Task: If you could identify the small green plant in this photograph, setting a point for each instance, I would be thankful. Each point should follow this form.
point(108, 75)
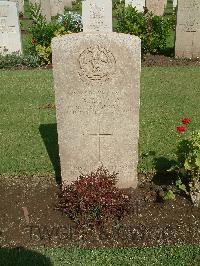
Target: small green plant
point(42, 32)
point(15, 60)
point(169, 195)
point(94, 198)
point(152, 30)
point(188, 162)
point(71, 21)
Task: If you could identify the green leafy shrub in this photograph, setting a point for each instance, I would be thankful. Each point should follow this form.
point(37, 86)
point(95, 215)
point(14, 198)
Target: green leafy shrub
point(18, 60)
point(42, 32)
point(94, 198)
point(188, 162)
point(152, 30)
point(71, 21)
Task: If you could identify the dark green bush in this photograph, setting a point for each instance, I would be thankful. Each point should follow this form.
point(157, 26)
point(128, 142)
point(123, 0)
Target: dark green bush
point(152, 30)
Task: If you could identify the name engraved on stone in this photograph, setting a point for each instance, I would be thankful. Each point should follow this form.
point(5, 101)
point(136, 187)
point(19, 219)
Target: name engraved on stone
point(3, 11)
point(97, 17)
point(97, 64)
point(4, 28)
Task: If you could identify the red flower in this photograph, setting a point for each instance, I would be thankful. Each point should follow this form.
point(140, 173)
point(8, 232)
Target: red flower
point(181, 129)
point(186, 121)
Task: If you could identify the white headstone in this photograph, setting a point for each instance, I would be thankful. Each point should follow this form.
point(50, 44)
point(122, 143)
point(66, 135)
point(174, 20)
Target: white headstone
point(46, 9)
point(157, 7)
point(97, 102)
point(97, 15)
point(188, 29)
point(57, 7)
point(10, 36)
point(138, 4)
point(68, 3)
point(175, 3)
point(20, 5)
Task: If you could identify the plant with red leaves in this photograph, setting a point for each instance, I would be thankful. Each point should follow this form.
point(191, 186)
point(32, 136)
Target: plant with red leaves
point(94, 198)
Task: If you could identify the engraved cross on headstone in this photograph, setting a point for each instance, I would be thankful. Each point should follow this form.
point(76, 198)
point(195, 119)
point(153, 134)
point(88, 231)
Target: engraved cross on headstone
point(100, 135)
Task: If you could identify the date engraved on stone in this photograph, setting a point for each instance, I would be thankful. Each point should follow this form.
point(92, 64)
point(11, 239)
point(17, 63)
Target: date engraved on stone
point(97, 64)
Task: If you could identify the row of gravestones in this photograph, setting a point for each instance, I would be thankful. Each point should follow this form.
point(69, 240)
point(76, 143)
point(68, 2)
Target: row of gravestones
point(187, 30)
point(50, 8)
point(157, 7)
point(98, 89)
point(10, 34)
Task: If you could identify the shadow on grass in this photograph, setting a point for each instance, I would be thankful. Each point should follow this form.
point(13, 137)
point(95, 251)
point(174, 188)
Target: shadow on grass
point(50, 137)
point(161, 165)
point(163, 176)
point(22, 257)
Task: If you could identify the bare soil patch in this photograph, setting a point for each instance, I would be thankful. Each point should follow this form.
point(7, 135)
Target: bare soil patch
point(28, 217)
point(165, 61)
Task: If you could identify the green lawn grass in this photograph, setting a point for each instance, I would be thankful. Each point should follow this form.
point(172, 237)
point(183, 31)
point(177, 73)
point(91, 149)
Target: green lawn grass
point(167, 95)
point(163, 256)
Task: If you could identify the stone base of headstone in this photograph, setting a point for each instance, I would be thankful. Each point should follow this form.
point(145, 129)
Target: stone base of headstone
point(97, 85)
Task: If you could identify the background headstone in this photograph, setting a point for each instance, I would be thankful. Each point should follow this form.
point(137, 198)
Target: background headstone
point(175, 3)
point(68, 3)
point(138, 4)
point(97, 15)
point(57, 7)
point(157, 7)
point(46, 9)
point(10, 36)
point(188, 29)
point(20, 5)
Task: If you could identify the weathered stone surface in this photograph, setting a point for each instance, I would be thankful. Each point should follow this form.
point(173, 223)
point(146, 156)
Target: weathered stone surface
point(157, 7)
point(10, 37)
point(175, 3)
point(138, 4)
point(68, 3)
point(97, 85)
point(97, 15)
point(57, 7)
point(188, 29)
point(46, 9)
point(20, 5)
